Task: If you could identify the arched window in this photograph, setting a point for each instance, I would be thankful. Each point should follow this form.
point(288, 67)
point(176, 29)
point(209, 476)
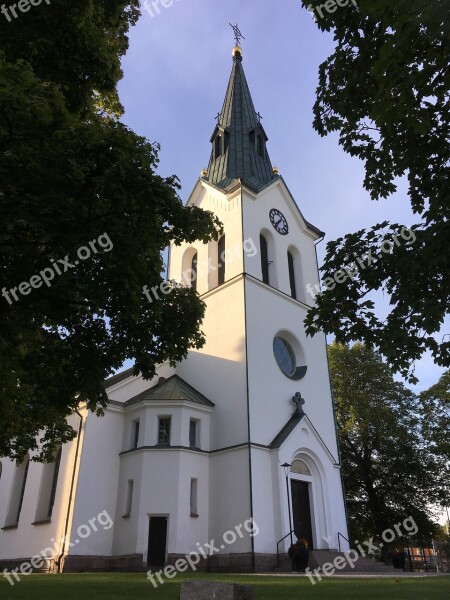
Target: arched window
point(56, 466)
point(221, 260)
point(218, 146)
point(300, 467)
point(194, 264)
point(189, 268)
point(295, 274)
point(18, 492)
point(264, 258)
point(48, 487)
point(291, 266)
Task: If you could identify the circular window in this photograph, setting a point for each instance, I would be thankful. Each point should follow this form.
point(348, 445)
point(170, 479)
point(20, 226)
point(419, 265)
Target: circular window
point(285, 356)
point(289, 355)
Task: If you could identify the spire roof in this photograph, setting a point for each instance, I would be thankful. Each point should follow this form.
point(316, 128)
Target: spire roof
point(239, 140)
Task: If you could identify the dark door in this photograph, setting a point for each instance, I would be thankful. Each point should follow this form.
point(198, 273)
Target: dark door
point(157, 538)
point(301, 511)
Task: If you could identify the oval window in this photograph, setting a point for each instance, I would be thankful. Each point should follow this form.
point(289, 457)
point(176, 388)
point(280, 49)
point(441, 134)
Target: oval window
point(285, 356)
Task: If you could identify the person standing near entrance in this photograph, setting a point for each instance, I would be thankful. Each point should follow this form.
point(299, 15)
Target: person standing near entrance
point(300, 553)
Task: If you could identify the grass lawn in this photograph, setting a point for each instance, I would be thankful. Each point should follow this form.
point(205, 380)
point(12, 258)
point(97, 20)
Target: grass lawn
point(136, 587)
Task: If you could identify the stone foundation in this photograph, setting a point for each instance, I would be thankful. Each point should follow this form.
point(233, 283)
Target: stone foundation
point(103, 564)
point(48, 566)
point(220, 563)
point(230, 563)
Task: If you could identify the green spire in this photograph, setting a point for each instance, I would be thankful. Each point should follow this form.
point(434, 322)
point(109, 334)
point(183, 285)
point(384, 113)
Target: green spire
point(239, 140)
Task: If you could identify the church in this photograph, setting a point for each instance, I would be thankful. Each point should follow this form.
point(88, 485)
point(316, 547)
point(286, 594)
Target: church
point(242, 431)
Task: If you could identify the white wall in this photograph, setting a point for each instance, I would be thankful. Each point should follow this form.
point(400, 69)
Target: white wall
point(270, 390)
point(28, 539)
point(132, 386)
point(97, 487)
point(256, 209)
point(327, 502)
point(230, 496)
point(228, 210)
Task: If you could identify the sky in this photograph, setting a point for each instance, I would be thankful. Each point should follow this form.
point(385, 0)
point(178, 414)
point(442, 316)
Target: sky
point(176, 73)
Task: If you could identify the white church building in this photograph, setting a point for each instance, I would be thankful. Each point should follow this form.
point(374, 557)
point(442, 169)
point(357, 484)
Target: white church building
point(196, 452)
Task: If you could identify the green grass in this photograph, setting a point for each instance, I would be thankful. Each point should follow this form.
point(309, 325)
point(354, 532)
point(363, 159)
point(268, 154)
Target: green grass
point(136, 587)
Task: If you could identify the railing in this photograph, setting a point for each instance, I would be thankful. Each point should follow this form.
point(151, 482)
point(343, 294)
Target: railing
point(339, 540)
point(278, 549)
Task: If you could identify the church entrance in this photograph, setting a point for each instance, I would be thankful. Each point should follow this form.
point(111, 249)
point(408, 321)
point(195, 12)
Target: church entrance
point(301, 511)
point(157, 541)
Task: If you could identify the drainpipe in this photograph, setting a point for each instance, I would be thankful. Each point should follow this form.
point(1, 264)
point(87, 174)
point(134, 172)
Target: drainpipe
point(72, 485)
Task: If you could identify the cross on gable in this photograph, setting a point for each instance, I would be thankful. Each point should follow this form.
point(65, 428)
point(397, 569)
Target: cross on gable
point(299, 402)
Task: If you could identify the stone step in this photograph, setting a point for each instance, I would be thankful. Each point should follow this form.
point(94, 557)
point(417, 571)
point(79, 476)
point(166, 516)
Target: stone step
point(317, 558)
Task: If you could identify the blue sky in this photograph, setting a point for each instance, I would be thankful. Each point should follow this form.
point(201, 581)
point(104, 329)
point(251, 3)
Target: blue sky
point(175, 77)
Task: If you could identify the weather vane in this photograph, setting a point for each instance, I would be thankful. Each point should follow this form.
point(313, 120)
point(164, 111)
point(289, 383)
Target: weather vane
point(237, 34)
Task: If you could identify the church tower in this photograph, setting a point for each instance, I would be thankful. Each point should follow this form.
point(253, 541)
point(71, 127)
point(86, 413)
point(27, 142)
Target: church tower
point(230, 454)
point(268, 380)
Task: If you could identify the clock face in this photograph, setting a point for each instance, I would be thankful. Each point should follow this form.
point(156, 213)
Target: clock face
point(279, 222)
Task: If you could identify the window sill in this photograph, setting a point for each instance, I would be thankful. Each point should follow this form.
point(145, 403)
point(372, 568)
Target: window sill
point(42, 522)
point(194, 515)
point(13, 526)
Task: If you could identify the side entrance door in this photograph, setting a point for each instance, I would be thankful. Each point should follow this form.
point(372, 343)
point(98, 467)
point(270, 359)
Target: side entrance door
point(157, 542)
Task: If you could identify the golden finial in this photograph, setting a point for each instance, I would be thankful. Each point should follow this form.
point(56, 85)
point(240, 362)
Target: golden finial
point(275, 170)
point(204, 173)
point(237, 51)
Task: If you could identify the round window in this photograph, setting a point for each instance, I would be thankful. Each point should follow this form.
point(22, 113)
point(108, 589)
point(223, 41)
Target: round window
point(285, 356)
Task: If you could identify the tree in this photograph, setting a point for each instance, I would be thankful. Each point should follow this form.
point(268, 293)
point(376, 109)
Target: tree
point(385, 91)
point(389, 473)
point(72, 175)
point(435, 410)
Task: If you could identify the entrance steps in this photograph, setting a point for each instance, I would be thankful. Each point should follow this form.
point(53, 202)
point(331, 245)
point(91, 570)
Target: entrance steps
point(317, 558)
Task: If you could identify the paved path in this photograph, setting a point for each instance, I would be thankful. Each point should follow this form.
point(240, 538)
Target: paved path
point(394, 575)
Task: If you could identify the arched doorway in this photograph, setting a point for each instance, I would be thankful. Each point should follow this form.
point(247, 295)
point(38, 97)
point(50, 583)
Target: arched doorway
point(301, 494)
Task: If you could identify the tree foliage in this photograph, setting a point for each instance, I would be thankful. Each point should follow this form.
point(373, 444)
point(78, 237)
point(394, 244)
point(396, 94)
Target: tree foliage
point(435, 410)
point(385, 90)
point(389, 472)
point(70, 172)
